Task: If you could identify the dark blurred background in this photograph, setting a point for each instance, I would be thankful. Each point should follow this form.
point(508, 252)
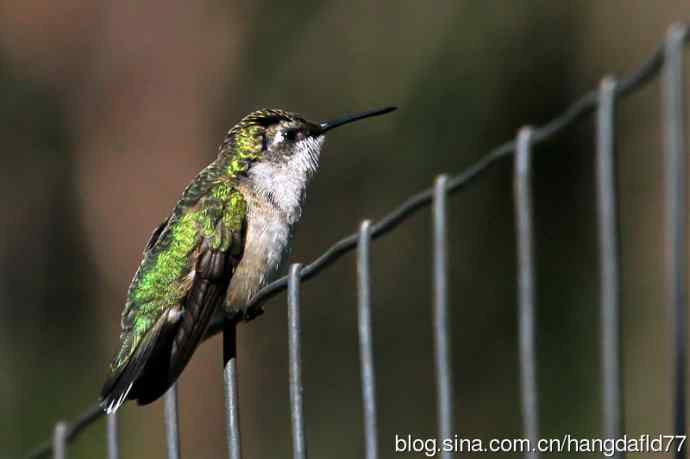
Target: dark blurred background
point(110, 108)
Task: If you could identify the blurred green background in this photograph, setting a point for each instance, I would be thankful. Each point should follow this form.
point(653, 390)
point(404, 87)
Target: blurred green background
point(110, 108)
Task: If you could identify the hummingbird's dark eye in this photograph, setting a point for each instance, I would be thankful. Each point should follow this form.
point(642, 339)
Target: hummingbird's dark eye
point(264, 142)
point(290, 135)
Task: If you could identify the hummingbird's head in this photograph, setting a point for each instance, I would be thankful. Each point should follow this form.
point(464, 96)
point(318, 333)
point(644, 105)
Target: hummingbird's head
point(270, 140)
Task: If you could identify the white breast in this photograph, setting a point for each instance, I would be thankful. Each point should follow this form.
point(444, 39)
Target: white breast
point(274, 195)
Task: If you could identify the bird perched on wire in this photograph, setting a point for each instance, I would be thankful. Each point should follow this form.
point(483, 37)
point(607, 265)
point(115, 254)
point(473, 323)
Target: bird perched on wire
point(225, 239)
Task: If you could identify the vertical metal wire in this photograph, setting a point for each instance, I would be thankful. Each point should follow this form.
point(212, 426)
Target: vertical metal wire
point(526, 289)
point(366, 352)
point(113, 436)
point(60, 440)
point(299, 445)
point(444, 385)
point(172, 423)
point(676, 219)
point(230, 385)
point(609, 263)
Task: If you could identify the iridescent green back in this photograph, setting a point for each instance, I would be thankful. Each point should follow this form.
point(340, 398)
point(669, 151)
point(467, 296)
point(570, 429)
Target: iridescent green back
point(210, 209)
point(163, 278)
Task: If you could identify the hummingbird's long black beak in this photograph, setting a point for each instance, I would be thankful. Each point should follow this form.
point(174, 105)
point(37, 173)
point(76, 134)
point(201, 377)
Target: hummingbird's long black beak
point(328, 125)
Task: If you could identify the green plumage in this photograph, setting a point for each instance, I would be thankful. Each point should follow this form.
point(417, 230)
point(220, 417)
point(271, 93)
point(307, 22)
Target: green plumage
point(186, 268)
point(162, 279)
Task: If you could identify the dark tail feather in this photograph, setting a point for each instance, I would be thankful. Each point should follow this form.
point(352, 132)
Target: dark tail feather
point(156, 378)
point(160, 360)
point(174, 350)
point(119, 384)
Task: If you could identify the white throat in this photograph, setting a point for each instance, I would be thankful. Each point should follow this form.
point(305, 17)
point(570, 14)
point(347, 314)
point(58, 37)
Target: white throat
point(283, 184)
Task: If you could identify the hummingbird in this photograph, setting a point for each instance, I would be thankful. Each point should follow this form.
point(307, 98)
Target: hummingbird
point(225, 239)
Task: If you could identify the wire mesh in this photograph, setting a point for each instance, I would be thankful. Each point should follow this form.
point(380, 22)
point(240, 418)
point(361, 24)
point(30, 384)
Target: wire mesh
point(172, 423)
point(366, 347)
point(113, 436)
point(230, 384)
point(60, 440)
point(299, 444)
point(526, 288)
point(607, 216)
point(442, 360)
point(676, 220)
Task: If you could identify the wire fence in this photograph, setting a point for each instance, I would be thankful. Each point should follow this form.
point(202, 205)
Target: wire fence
point(667, 58)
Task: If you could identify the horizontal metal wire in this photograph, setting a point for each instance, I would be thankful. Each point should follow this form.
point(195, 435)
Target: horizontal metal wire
point(73, 430)
point(575, 112)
